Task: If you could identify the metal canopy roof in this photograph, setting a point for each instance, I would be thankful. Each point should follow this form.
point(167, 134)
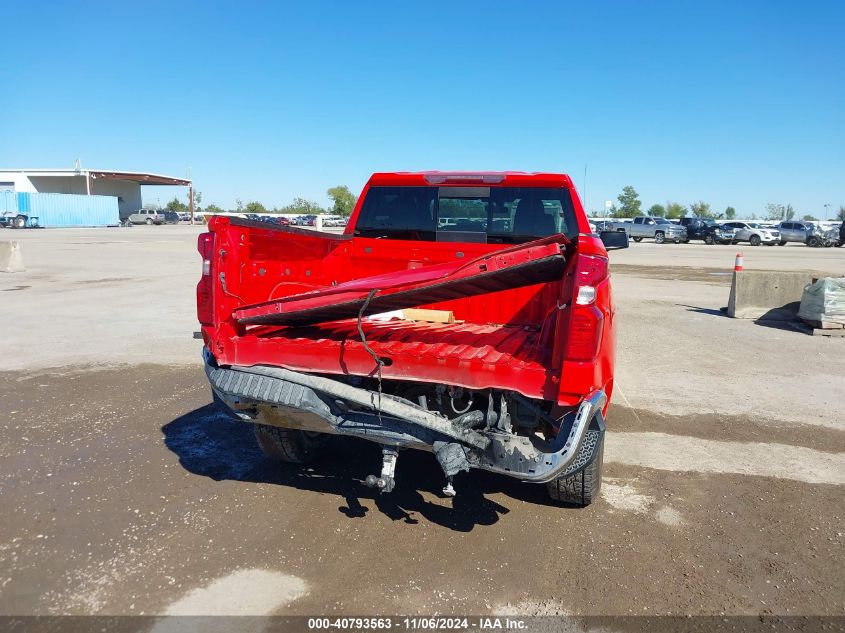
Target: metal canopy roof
point(144, 179)
point(100, 174)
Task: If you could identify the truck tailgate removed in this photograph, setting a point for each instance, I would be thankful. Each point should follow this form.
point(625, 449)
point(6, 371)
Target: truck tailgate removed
point(508, 368)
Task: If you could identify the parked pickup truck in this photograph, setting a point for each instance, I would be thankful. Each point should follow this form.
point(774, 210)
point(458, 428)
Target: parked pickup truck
point(660, 229)
point(487, 340)
point(708, 231)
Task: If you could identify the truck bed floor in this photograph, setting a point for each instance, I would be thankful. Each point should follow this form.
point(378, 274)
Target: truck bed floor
point(466, 354)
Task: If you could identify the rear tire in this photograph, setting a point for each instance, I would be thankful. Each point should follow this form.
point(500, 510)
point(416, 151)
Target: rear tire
point(638, 239)
point(755, 240)
point(19, 222)
point(288, 445)
point(583, 487)
point(659, 237)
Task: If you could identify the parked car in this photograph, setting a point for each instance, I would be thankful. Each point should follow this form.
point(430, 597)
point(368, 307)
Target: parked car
point(532, 410)
point(806, 233)
point(334, 220)
point(660, 229)
point(170, 217)
point(793, 232)
point(719, 234)
point(841, 234)
point(824, 237)
point(707, 230)
point(145, 216)
point(754, 233)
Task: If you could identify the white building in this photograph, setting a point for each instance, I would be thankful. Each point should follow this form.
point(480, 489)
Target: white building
point(124, 185)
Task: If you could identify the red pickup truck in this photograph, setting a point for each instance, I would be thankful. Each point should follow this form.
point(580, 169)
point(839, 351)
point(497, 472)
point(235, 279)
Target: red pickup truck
point(466, 314)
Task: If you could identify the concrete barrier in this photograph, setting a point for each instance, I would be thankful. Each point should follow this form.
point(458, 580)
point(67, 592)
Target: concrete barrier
point(766, 294)
point(11, 257)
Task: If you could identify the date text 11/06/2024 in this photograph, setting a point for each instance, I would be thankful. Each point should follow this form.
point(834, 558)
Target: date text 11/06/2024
point(418, 623)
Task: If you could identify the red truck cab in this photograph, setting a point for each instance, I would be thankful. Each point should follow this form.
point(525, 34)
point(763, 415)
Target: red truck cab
point(468, 314)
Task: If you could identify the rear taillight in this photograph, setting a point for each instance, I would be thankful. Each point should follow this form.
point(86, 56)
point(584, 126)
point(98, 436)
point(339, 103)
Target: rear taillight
point(205, 304)
point(586, 319)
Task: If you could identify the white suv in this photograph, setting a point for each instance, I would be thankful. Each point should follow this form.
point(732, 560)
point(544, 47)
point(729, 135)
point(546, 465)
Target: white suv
point(755, 234)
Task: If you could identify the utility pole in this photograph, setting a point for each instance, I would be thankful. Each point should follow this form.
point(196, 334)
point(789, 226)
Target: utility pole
point(826, 207)
point(191, 194)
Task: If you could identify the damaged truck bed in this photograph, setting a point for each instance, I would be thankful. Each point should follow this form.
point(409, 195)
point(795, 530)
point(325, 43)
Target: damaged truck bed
point(308, 334)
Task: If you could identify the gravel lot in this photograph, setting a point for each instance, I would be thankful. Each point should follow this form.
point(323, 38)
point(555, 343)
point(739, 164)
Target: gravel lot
point(124, 493)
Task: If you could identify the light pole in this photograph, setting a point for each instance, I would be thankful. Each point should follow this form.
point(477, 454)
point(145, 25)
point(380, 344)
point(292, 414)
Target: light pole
point(825, 211)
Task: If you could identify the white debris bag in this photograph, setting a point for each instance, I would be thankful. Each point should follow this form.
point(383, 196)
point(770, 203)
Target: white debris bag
point(824, 300)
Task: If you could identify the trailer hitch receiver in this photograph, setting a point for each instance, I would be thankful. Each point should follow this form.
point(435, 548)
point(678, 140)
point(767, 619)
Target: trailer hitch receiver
point(386, 481)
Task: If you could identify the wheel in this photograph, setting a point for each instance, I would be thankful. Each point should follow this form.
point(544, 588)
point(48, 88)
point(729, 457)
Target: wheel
point(814, 241)
point(686, 241)
point(709, 239)
point(149, 220)
point(733, 242)
point(288, 445)
point(583, 487)
point(755, 240)
point(782, 243)
point(638, 239)
point(19, 222)
point(677, 240)
point(659, 237)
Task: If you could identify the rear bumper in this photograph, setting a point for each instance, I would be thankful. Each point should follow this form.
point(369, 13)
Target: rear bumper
point(283, 398)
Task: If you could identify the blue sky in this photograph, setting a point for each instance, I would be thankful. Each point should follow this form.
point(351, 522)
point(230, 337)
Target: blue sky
point(734, 103)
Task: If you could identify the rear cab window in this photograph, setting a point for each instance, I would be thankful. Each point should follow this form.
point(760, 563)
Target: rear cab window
point(492, 215)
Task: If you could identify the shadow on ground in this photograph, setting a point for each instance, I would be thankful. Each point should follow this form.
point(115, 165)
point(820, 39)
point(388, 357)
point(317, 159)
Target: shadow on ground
point(213, 445)
point(776, 318)
point(700, 310)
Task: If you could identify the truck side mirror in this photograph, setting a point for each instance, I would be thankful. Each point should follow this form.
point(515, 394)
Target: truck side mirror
point(614, 239)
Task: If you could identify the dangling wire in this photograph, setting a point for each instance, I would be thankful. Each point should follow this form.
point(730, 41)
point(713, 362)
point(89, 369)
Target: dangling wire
point(369, 349)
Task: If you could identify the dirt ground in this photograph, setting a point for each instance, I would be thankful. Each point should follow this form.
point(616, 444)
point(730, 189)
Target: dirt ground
point(124, 492)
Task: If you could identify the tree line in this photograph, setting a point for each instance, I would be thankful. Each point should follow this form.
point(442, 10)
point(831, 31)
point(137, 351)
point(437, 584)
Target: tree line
point(630, 206)
point(343, 202)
